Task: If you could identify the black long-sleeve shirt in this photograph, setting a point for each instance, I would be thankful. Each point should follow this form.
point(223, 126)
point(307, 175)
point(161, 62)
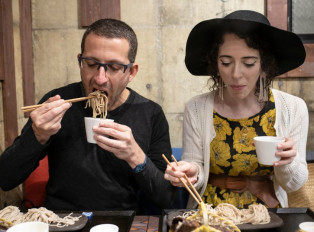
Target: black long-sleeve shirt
point(83, 175)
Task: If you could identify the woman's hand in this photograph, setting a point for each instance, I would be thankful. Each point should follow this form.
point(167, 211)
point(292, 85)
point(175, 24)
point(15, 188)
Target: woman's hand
point(287, 153)
point(174, 173)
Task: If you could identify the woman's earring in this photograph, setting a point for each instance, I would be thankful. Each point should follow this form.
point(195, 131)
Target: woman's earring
point(221, 89)
point(262, 97)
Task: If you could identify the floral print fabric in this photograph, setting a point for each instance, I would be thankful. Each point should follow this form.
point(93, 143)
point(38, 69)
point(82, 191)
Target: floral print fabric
point(232, 153)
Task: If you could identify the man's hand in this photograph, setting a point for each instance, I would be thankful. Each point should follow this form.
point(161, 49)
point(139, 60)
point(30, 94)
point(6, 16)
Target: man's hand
point(47, 119)
point(119, 140)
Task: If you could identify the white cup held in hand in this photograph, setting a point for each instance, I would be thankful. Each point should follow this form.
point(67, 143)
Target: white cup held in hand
point(89, 124)
point(266, 147)
point(105, 228)
point(30, 227)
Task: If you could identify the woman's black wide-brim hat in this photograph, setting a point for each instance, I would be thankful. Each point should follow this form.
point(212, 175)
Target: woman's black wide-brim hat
point(287, 46)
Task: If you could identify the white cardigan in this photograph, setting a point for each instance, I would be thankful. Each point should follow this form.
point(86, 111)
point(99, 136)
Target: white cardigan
point(292, 120)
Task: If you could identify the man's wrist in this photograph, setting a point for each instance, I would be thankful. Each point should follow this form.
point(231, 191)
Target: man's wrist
point(140, 167)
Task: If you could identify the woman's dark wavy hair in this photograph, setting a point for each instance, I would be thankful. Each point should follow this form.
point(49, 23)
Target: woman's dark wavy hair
point(112, 28)
point(254, 39)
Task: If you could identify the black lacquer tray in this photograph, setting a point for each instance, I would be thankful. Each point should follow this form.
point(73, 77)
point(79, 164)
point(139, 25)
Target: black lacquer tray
point(284, 219)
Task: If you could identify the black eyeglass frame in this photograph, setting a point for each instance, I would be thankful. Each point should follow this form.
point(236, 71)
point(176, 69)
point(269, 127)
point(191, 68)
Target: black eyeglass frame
point(125, 66)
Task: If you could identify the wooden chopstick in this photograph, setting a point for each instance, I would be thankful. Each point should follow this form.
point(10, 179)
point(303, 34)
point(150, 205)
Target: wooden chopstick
point(33, 107)
point(182, 181)
point(188, 180)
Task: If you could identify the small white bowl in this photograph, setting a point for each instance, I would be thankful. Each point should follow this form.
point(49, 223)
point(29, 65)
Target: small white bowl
point(30, 227)
point(307, 226)
point(105, 228)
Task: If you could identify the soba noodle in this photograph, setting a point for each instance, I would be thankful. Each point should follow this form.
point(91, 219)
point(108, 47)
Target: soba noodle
point(11, 215)
point(99, 104)
point(255, 214)
point(227, 216)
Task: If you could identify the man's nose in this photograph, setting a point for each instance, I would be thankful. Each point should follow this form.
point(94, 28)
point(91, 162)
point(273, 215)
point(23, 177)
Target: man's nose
point(101, 76)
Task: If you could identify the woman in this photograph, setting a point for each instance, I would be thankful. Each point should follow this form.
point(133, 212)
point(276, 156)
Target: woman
point(242, 53)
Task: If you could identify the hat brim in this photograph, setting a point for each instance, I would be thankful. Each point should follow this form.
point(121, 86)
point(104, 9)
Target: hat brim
point(287, 46)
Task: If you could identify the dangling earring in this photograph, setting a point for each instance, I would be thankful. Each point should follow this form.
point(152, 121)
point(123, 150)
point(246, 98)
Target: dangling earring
point(221, 88)
point(262, 97)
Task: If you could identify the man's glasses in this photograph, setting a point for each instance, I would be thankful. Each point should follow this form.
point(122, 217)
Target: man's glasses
point(112, 69)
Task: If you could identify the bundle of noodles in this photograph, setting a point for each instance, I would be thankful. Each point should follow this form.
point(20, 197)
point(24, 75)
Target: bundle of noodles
point(44, 215)
point(204, 220)
point(99, 104)
point(11, 215)
point(224, 217)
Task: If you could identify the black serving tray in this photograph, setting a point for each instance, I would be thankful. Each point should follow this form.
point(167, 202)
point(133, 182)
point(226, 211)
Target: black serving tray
point(291, 218)
point(123, 219)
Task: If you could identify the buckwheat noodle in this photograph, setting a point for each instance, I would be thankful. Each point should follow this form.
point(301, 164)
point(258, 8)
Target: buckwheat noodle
point(11, 215)
point(99, 104)
point(227, 216)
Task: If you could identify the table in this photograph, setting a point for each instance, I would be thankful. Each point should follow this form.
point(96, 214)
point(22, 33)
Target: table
point(126, 220)
point(145, 223)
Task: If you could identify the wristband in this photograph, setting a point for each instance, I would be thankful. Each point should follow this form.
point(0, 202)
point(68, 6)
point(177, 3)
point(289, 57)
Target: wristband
point(140, 167)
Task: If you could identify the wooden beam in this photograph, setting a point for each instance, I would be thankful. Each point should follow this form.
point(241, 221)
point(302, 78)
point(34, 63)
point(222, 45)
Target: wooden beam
point(277, 13)
point(8, 72)
point(92, 10)
point(27, 52)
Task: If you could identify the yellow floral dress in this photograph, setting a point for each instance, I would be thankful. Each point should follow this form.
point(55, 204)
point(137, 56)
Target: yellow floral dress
point(232, 153)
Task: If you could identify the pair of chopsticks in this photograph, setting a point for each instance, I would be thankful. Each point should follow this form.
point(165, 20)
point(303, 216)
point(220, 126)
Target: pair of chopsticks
point(193, 192)
point(33, 107)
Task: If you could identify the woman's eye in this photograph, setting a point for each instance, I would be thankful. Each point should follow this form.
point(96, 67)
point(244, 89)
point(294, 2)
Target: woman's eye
point(225, 63)
point(249, 64)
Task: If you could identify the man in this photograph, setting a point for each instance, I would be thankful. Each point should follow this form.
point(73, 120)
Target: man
point(127, 158)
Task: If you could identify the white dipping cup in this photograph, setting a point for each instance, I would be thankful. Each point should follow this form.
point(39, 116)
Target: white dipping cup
point(307, 226)
point(89, 124)
point(266, 147)
point(30, 227)
point(105, 228)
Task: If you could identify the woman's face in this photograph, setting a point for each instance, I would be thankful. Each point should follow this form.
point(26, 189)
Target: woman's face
point(239, 67)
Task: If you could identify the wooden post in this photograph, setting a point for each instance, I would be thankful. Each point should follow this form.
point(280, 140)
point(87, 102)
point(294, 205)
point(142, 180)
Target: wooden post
point(7, 72)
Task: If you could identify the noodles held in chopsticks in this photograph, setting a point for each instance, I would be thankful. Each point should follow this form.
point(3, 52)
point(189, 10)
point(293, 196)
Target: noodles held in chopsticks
point(99, 104)
point(11, 215)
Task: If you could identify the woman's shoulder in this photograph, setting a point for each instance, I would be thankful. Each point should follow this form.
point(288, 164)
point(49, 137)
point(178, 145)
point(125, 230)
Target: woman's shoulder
point(287, 99)
point(201, 98)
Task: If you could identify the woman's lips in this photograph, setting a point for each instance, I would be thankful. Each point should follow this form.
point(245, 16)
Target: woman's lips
point(237, 87)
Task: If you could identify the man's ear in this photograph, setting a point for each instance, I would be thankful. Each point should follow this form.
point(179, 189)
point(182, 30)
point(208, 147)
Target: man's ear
point(133, 71)
point(78, 55)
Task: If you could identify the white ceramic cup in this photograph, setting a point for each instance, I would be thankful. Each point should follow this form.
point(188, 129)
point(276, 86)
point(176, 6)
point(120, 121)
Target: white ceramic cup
point(30, 227)
point(307, 226)
point(266, 147)
point(105, 228)
point(89, 124)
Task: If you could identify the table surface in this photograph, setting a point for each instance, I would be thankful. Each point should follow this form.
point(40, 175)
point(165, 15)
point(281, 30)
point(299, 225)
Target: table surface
point(291, 217)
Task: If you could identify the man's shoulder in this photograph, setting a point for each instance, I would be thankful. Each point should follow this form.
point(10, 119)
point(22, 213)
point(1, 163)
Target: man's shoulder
point(138, 98)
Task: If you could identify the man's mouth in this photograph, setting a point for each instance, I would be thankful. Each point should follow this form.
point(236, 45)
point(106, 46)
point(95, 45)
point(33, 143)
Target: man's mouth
point(102, 91)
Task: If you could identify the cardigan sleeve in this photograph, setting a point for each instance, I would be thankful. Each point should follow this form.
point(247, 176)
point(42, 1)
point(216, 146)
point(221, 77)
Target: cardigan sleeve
point(294, 123)
point(193, 140)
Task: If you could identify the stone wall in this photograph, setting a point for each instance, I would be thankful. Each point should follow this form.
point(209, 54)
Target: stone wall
point(162, 27)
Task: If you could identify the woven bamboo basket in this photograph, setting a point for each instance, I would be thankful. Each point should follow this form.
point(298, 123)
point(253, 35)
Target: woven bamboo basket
point(304, 196)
